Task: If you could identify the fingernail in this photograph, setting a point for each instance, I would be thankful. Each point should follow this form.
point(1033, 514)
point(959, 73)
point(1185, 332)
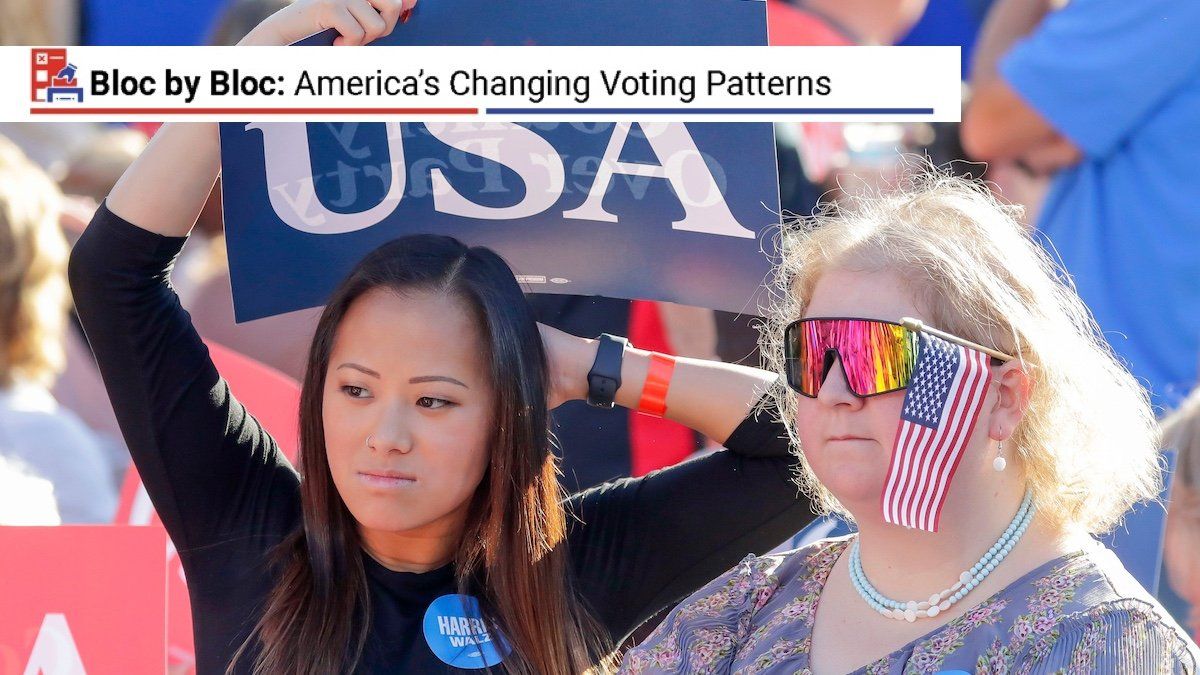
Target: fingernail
point(404, 15)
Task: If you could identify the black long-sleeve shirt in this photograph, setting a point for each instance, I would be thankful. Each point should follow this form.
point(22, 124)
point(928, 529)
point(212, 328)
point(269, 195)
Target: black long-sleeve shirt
point(227, 495)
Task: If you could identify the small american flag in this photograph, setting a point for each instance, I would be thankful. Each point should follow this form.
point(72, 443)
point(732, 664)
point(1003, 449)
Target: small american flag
point(941, 407)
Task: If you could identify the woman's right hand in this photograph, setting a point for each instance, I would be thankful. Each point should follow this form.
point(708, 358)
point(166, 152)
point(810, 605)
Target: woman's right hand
point(358, 22)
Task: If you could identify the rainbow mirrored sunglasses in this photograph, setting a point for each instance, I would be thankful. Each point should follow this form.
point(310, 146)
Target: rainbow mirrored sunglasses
point(877, 356)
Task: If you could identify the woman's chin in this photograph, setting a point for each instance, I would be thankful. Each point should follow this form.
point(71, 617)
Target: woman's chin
point(855, 486)
point(858, 499)
point(394, 521)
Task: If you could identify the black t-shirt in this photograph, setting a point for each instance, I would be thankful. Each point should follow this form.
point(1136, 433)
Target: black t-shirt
point(227, 495)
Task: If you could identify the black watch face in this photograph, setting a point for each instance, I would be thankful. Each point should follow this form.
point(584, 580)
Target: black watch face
point(605, 376)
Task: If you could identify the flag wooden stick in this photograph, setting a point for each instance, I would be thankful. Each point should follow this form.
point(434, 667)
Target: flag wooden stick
point(917, 325)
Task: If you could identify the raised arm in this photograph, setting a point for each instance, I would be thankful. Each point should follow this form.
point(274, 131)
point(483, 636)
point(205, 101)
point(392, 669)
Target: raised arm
point(211, 471)
point(998, 124)
point(708, 396)
point(640, 544)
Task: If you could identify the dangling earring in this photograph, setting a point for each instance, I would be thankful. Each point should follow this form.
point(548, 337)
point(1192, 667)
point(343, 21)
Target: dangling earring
point(999, 463)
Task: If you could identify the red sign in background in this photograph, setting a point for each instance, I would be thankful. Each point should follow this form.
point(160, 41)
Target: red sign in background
point(77, 599)
point(274, 400)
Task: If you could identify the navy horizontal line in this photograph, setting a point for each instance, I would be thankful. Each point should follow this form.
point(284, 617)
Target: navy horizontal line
point(710, 111)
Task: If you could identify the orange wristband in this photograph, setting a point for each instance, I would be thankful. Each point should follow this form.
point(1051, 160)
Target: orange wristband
point(658, 380)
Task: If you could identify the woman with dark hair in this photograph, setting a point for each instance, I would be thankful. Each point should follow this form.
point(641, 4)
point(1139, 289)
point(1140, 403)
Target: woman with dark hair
point(425, 531)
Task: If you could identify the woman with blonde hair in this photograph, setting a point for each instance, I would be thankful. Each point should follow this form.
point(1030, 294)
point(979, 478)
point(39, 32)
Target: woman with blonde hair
point(950, 394)
point(50, 441)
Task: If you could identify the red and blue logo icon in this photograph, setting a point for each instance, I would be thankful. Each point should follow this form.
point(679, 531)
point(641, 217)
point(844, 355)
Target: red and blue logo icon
point(53, 77)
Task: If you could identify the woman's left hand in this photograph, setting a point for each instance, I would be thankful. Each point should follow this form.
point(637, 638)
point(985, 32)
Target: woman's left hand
point(570, 359)
point(357, 22)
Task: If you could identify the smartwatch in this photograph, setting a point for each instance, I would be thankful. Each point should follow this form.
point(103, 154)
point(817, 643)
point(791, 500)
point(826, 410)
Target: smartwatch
point(605, 376)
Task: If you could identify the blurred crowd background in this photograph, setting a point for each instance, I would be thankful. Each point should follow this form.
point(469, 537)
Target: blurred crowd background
point(1087, 113)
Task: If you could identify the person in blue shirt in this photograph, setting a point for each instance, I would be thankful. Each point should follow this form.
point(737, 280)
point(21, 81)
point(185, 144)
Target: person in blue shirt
point(1105, 94)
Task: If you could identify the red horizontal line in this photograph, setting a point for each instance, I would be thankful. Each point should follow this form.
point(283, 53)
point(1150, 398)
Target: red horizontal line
point(254, 111)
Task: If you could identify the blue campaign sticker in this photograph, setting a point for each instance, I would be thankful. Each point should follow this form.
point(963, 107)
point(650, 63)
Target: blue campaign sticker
point(455, 631)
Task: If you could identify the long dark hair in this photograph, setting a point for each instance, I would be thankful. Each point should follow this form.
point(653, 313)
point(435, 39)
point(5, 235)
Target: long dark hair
point(513, 550)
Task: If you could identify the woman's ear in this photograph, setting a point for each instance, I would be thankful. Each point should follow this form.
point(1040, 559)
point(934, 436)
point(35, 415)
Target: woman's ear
point(1013, 387)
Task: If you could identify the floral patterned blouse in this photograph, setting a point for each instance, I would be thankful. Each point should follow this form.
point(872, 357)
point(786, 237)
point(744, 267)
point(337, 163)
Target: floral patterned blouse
point(1081, 613)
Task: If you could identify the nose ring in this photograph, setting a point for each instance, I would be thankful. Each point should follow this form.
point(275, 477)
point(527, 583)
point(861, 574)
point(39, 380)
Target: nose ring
point(369, 446)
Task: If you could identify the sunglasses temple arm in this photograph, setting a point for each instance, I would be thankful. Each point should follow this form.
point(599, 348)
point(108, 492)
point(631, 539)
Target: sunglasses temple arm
point(916, 325)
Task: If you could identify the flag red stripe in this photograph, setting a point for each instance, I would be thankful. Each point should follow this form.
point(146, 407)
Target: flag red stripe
point(885, 497)
point(896, 475)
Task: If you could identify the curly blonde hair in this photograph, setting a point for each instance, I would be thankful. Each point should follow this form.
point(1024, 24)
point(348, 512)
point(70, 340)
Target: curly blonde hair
point(33, 284)
point(1088, 437)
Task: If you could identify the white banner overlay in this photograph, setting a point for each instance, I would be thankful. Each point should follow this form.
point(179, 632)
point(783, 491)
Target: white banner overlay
point(510, 83)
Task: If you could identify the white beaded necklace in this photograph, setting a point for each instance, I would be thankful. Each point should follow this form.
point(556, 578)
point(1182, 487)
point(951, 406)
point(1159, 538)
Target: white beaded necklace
point(939, 602)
